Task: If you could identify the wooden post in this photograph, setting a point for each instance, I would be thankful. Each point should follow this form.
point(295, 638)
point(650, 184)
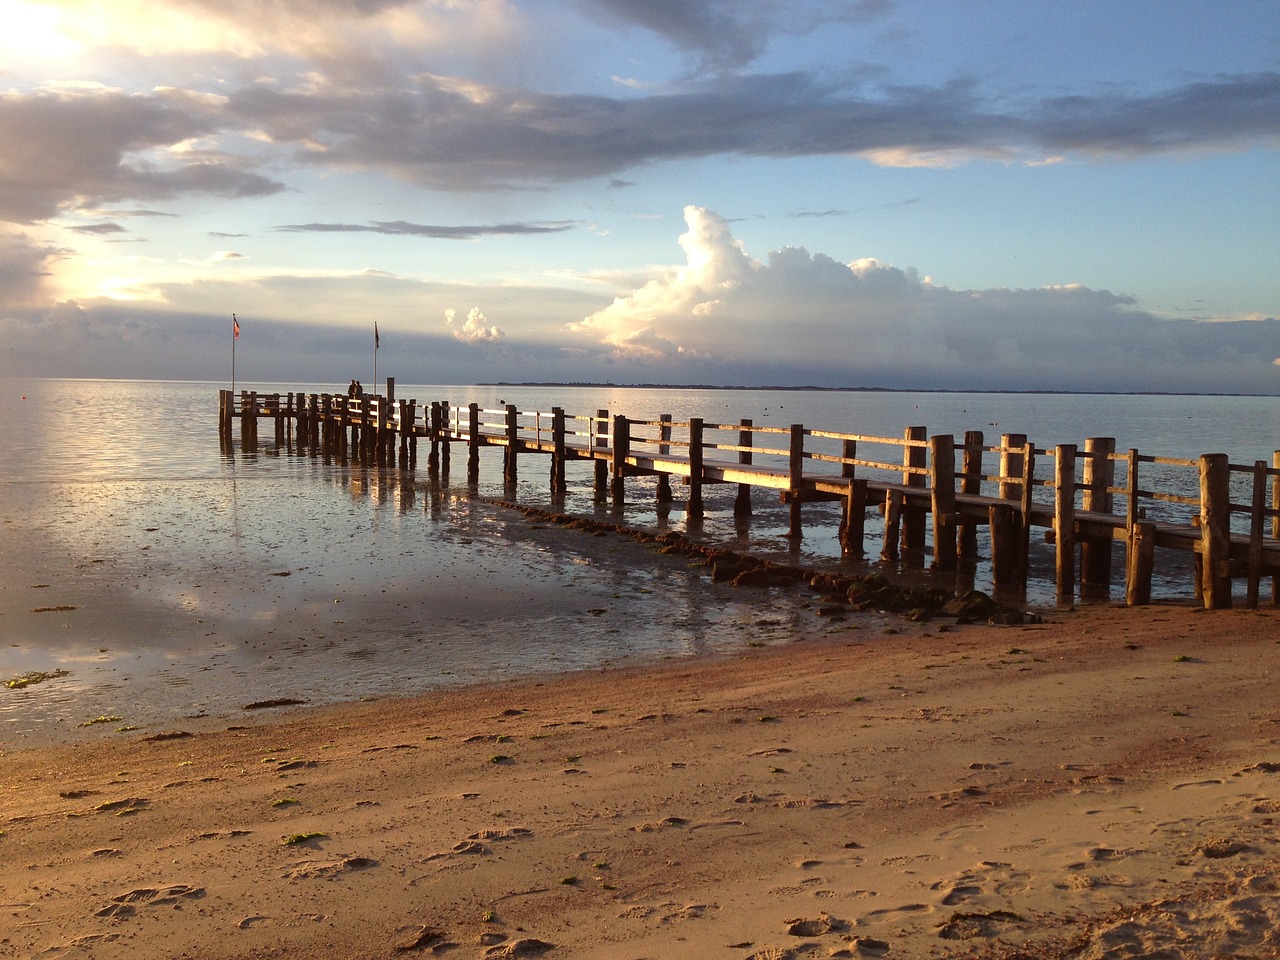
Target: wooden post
point(513, 442)
point(694, 509)
point(1012, 446)
point(1004, 546)
point(473, 442)
point(795, 474)
point(1215, 529)
point(252, 422)
point(557, 452)
point(1139, 560)
point(853, 523)
point(664, 449)
point(1028, 487)
point(326, 429)
point(621, 449)
point(942, 481)
point(601, 434)
point(383, 435)
point(279, 417)
point(1064, 521)
point(892, 522)
point(1257, 510)
point(742, 502)
point(433, 434)
point(391, 389)
point(1275, 520)
point(913, 513)
point(1098, 477)
point(448, 429)
point(971, 483)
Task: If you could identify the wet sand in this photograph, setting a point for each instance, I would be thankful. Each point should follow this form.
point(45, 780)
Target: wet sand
point(1106, 784)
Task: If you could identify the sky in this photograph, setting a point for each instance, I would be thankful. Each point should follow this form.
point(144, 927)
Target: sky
point(912, 194)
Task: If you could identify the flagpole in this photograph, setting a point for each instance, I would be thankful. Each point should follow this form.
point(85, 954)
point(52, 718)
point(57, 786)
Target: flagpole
point(235, 335)
point(375, 357)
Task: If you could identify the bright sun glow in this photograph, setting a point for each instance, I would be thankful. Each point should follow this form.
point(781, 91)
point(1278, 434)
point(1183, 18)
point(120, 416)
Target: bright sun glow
point(33, 31)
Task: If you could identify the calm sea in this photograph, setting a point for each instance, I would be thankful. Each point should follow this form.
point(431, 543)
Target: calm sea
point(171, 579)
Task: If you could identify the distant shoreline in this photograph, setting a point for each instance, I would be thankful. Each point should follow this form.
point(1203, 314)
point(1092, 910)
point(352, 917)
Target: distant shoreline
point(810, 388)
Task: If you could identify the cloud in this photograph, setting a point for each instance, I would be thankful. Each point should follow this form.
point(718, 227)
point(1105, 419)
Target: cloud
point(101, 228)
point(724, 34)
point(473, 329)
point(461, 134)
point(24, 270)
point(438, 232)
point(83, 147)
point(865, 322)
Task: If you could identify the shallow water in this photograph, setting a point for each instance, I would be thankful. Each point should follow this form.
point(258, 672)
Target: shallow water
point(201, 581)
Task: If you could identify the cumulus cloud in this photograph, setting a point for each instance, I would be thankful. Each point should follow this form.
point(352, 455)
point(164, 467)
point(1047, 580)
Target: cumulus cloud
point(865, 322)
point(473, 329)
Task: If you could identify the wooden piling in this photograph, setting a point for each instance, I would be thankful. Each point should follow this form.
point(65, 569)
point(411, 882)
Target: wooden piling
point(618, 458)
point(1257, 513)
point(1097, 479)
point(1064, 521)
point(664, 494)
point(854, 520)
point(1139, 562)
point(601, 435)
point(473, 442)
point(513, 442)
point(1215, 527)
point(1027, 489)
point(942, 481)
point(914, 458)
point(1005, 533)
point(558, 486)
point(1275, 520)
point(742, 502)
point(970, 483)
point(694, 510)
point(795, 474)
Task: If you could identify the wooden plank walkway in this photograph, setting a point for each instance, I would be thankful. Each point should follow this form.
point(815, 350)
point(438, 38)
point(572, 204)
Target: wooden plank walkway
point(932, 493)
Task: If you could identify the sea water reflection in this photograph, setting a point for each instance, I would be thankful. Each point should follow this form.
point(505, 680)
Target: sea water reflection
point(197, 582)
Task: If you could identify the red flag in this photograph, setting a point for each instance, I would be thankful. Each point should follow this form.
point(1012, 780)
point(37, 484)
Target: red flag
point(235, 328)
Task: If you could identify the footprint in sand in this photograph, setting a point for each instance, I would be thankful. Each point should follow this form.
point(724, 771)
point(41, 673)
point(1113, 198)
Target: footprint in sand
point(1198, 783)
point(123, 906)
point(961, 894)
point(248, 922)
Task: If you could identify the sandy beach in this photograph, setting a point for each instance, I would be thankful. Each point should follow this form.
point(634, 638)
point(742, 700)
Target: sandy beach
point(1105, 784)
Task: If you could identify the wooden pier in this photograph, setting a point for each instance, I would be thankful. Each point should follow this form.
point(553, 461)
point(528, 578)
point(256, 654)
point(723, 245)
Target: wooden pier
point(932, 493)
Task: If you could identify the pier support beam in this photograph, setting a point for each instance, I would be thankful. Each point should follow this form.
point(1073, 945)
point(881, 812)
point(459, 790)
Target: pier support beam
point(694, 510)
point(742, 502)
point(1098, 476)
point(509, 469)
point(942, 480)
point(970, 483)
point(621, 449)
point(664, 495)
point(473, 442)
point(1215, 529)
point(795, 473)
point(914, 459)
point(557, 453)
point(601, 440)
point(1064, 521)
point(1139, 561)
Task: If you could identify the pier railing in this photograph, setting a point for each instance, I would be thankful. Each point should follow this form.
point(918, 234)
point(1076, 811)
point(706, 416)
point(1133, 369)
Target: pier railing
point(933, 493)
